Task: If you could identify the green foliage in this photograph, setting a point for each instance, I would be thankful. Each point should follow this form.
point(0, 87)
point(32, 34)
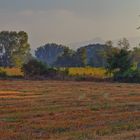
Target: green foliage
point(34, 68)
point(122, 63)
point(38, 69)
point(49, 53)
point(119, 60)
point(66, 59)
point(16, 48)
point(131, 75)
point(62, 56)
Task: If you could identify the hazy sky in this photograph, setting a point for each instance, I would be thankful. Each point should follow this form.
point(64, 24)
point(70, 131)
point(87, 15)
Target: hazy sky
point(67, 21)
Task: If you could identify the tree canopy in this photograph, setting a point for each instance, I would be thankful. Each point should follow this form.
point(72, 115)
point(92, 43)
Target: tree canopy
point(16, 48)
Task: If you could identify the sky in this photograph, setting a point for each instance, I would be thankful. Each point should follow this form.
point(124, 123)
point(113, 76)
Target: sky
point(69, 21)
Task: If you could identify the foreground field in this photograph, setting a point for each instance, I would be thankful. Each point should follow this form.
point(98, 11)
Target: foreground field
point(53, 110)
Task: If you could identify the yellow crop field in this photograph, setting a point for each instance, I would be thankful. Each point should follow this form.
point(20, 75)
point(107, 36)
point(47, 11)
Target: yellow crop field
point(73, 71)
point(88, 71)
point(12, 71)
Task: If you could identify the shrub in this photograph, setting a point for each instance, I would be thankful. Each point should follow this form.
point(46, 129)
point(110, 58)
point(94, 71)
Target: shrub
point(37, 69)
point(131, 75)
point(34, 68)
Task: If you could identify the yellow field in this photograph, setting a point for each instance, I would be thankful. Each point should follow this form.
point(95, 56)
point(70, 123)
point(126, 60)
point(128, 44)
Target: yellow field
point(88, 71)
point(12, 71)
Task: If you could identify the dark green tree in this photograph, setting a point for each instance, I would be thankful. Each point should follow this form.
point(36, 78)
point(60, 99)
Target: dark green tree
point(34, 68)
point(119, 60)
point(66, 59)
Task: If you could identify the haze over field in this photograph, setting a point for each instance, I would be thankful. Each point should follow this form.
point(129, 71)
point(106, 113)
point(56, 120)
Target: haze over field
point(69, 21)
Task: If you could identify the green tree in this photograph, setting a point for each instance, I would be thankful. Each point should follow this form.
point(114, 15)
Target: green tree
point(16, 46)
point(106, 52)
point(119, 60)
point(66, 59)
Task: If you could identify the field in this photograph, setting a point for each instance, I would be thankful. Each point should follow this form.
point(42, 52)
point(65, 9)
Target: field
point(88, 71)
point(60, 110)
point(12, 71)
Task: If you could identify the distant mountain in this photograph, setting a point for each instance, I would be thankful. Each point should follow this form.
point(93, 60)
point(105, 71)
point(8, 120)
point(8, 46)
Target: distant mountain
point(76, 45)
point(134, 41)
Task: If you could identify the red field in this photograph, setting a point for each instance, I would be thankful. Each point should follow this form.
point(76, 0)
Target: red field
point(55, 110)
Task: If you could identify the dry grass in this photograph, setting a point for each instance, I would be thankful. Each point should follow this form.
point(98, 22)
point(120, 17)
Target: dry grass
point(54, 110)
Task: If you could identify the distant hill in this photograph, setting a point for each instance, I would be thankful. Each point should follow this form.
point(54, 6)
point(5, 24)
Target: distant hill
point(96, 40)
point(134, 41)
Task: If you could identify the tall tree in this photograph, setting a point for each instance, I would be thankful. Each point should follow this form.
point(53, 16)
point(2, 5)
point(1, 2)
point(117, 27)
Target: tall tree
point(16, 46)
point(120, 59)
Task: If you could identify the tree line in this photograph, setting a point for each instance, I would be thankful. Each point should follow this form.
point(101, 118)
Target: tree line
point(62, 56)
point(121, 61)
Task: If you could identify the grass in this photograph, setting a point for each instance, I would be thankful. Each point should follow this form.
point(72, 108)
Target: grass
point(59, 110)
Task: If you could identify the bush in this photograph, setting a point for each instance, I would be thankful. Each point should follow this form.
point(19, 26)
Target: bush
point(34, 68)
point(131, 75)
